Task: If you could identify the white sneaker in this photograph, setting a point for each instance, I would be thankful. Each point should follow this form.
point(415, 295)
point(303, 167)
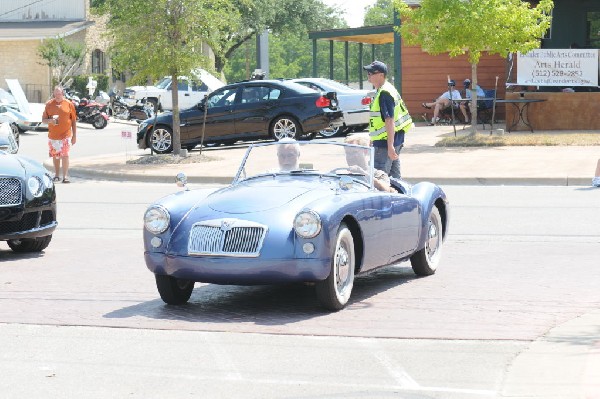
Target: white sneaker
point(596, 181)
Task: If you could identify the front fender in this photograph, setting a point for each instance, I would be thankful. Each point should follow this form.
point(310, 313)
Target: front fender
point(430, 195)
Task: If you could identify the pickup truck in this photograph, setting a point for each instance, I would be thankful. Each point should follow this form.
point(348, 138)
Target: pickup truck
point(159, 97)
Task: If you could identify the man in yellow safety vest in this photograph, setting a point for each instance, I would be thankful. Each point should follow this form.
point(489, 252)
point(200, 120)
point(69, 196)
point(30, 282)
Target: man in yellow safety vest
point(389, 120)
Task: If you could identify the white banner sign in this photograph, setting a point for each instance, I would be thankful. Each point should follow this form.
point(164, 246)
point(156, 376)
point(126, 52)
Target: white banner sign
point(558, 67)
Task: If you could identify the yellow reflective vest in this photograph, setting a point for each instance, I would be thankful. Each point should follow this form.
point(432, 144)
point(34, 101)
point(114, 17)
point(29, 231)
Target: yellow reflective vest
point(402, 120)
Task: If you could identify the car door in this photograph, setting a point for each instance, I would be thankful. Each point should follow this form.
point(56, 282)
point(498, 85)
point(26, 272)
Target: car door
point(252, 111)
point(406, 225)
point(219, 117)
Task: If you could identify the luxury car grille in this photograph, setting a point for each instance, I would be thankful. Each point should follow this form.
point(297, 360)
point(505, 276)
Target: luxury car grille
point(10, 191)
point(27, 222)
point(226, 237)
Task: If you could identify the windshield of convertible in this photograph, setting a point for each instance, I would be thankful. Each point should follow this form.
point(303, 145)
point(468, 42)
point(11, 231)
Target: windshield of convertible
point(312, 158)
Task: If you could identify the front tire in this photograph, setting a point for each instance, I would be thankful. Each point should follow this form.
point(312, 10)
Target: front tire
point(334, 292)
point(161, 140)
point(174, 291)
point(425, 261)
point(285, 126)
point(30, 244)
point(99, 122)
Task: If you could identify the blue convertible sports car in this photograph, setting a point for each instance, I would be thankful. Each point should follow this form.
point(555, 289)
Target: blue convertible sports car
point(295, 212)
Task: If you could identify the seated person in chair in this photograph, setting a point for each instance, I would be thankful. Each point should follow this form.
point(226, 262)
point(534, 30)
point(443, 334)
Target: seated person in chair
point(443, 102)
point(465, 105)
point(357, 159)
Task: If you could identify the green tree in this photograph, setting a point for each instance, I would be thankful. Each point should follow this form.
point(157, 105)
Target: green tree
point(473, 27)
point(278, 17)
point(155, 38)
point(63, 57)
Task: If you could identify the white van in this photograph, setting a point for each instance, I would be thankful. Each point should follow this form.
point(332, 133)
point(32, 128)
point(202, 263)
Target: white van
point(159, 96)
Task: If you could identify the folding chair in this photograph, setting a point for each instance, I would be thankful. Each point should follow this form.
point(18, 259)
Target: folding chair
point(485, 108)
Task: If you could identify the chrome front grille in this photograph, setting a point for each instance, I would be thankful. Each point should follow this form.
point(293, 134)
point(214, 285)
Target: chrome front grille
point(226, 237)
point(10, 191)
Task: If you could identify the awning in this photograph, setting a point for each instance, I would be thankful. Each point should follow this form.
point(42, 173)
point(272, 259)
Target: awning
point(380, 34)
point(18, 31)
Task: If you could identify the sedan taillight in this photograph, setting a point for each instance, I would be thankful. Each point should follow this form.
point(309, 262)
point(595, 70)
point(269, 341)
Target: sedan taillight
point(366, 100)
point(323, 102)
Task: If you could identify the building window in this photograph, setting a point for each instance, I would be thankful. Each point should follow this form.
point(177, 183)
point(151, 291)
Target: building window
point(98, 61)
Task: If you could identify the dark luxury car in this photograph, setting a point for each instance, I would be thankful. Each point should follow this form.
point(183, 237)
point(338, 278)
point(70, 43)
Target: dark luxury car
point(246, 110)
point(27, 204)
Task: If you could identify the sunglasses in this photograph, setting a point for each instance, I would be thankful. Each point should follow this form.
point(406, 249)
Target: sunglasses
point(372, 73)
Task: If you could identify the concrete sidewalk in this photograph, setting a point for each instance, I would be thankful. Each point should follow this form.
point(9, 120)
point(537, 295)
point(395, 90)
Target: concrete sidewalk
point(421, 160)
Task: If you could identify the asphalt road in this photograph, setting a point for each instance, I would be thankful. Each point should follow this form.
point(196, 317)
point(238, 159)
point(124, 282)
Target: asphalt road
point(84, 318)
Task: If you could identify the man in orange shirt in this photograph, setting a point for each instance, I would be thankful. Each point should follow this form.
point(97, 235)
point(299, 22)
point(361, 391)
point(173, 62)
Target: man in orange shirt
point(61, 118)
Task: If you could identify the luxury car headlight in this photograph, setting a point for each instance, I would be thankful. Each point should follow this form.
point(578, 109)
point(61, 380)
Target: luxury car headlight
point(34, 184)
point(307, 224)
point(47, 181)
point(156, 219)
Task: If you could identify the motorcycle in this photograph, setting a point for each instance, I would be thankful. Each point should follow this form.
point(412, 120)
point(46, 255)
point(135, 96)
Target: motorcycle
point(89, 111)
point(119, 109)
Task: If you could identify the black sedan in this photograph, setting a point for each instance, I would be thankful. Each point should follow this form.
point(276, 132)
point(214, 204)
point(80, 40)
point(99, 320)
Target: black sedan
point(246, 110)
point(27, 204)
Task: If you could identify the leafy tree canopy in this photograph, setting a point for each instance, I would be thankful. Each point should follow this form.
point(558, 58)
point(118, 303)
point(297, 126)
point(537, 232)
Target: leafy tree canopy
point(154, 38)
point(278, 17)
point(475, 26)
point(62, 56)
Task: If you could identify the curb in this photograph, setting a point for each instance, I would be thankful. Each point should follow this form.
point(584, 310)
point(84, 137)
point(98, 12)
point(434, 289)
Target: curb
point(467, 181)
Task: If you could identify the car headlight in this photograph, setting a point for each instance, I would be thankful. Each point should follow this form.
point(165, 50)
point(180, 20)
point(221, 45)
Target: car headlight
point(156, 219)
point(34, 184)
point(142, 126)
point(307, 224)
point(47, 181)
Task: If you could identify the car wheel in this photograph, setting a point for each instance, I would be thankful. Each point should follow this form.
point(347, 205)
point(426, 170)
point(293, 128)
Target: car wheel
point(99, 122)
point(174, 291)
point(331, 131)
point(161, 140)
point(334, 292)
point(425, 261)
point(285, 126)
point(14, 139)
point(30, 244)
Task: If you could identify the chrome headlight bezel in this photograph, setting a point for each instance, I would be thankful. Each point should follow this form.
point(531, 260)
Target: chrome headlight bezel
point(35, 186)
point(307, 224)
point(157, 219)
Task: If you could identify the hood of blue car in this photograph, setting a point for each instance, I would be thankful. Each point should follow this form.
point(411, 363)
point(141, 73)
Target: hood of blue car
point(249, 198)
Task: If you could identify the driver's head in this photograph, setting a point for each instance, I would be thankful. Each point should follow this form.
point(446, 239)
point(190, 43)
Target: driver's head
point(357, 156)
point(288, 152)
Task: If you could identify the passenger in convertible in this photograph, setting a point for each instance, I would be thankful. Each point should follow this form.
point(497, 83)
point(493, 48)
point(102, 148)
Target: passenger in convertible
point(357, 159)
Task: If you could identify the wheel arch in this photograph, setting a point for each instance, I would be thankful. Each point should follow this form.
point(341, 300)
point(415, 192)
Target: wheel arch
point(441, 206)
point(359, 247)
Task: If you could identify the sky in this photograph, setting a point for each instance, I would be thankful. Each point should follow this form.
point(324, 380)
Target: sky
point(355, 9)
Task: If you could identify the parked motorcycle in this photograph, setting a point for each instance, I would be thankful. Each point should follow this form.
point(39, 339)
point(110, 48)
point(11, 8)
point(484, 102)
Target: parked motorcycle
point(119, 109)
point(89, 111)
